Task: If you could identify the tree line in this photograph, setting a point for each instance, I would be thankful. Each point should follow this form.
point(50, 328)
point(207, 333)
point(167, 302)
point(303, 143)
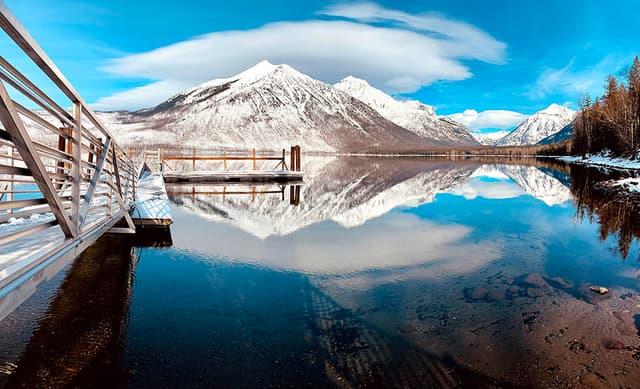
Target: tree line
point(611, 122)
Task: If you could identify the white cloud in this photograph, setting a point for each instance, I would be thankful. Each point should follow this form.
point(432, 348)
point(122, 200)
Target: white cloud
point(489, 190)
point(495, 119)
point(412, 51)
point(144, 96)
point(465, 40)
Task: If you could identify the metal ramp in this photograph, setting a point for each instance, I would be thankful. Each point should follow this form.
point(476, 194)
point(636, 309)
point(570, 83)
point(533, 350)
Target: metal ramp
point(64, 179)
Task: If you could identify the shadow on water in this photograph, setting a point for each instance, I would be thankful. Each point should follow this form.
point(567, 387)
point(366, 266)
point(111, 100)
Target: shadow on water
point(78, 341)
point(616, 215)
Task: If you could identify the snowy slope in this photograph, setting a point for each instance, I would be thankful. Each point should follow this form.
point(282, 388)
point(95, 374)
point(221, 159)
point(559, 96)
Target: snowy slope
point(565, 134)
point(539, 126)
point(410, 114)
point(490, 138)
point(272, 107)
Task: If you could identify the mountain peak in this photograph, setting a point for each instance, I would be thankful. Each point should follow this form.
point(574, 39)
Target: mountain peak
point(354, 81)
point(258, 70)
point(555, 109)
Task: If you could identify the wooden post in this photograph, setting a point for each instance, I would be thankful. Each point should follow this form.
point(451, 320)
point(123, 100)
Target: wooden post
point(92, 149)
point(297, 158)
point(224, 159)
point(255, 167)
point(130, 153)
point(292, 155)
point(284, 165)
point(193, 154)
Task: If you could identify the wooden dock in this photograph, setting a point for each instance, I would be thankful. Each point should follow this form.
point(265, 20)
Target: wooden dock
point(282, 176)
point(187, 166)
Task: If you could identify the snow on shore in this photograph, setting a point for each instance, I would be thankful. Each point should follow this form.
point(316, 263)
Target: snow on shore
point(603, 160)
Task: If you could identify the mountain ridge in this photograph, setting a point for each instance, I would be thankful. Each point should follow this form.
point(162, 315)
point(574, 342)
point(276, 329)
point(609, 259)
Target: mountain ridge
point(538, 126)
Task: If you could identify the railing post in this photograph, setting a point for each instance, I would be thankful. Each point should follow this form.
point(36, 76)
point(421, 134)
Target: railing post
point(75, 167)
point(297, 158)
point(292, 155)
point(284, 165)
point(11, 178)
point(224, 159)
point(255, 167)
point(193, 162)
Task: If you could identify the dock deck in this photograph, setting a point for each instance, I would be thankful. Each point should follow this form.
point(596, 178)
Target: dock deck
point(279, 176)
point(152, 209)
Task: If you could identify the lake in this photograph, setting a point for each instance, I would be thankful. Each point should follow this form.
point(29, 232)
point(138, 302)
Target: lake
point(395, 272)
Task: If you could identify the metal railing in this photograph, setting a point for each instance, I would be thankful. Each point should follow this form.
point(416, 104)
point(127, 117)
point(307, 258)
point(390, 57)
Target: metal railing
point(55, 161)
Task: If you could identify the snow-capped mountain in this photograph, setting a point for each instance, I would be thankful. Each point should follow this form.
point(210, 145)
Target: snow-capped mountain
point(539, 126)
point(272, 107)
point(410, 114)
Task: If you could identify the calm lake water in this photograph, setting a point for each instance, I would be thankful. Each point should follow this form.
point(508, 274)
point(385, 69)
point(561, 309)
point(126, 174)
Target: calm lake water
point(374, 272)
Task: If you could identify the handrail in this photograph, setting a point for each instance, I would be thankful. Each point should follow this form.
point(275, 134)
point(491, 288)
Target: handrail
point(83, 176)
point(14, 29)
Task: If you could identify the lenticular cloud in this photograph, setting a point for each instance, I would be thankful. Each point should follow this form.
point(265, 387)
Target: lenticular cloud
point(394, 51)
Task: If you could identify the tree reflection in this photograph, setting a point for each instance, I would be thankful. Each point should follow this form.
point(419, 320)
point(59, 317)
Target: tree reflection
point(617, 215)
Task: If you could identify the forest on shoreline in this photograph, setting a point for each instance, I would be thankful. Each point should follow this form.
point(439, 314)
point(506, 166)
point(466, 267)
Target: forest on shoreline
point(611, 123)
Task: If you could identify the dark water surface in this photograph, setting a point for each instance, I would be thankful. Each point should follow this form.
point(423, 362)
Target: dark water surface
point(374, 272)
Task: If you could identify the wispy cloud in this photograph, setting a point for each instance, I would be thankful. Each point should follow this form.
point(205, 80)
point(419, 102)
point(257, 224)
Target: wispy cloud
point(464, 40)
point(490, 119)
point(394, 51)
point(572, 81)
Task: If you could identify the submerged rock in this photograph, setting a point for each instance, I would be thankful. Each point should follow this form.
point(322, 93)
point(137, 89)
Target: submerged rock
point(601, 290)
point(534, 292)
point(559, 283)
point(476, 293)
point(532, 280)
point(514, 289)
point(496, 295)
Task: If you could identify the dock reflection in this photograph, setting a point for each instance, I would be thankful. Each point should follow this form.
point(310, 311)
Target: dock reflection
point(79, 340)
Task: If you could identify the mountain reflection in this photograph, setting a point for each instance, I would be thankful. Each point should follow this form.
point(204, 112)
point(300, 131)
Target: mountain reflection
point(352, 191)
point(355, 190)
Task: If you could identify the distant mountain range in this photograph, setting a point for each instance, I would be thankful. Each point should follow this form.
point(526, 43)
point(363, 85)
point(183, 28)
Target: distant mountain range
point(275, 106)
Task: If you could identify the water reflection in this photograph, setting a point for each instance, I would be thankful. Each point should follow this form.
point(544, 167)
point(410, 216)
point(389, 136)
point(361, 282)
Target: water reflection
point(374, 272)
point(617, 216)
point(78, 340)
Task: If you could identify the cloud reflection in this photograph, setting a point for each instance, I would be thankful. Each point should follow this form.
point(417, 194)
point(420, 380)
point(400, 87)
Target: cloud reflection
point(395, 240)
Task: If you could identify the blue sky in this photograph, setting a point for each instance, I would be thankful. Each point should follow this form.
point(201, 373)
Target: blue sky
point(497, 60)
